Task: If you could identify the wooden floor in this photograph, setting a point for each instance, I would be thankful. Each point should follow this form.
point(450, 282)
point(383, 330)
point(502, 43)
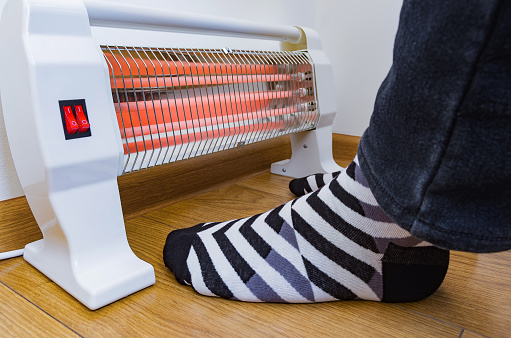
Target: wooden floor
point(474, 300)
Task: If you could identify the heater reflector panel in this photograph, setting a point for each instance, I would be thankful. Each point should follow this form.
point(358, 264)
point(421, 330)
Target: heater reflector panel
point(173, 104)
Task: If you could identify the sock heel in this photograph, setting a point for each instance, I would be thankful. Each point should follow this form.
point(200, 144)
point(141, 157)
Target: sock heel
point(412, 274)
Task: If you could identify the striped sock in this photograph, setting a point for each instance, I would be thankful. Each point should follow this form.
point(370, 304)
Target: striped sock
point(305, 185)
point(333, 244)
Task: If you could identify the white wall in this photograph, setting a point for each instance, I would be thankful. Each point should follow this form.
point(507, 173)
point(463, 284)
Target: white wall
point(357, 36)
point(9, 184)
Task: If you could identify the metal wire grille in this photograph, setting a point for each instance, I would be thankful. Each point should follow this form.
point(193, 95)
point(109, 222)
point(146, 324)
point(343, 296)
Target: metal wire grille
point(173, 104)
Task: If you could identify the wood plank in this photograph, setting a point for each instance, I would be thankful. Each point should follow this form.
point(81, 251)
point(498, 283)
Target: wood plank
point(270, 183)
point(220, 205)
point(17, 224)
point(20, 318)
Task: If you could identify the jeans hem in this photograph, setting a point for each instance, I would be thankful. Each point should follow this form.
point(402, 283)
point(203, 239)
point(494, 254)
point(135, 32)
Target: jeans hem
point(433, 233)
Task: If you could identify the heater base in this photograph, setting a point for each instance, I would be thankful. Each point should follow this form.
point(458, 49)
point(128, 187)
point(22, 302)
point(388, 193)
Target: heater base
point(95, 283)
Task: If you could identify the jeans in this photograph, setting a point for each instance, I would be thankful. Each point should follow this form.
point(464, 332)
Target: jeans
point(437, 153)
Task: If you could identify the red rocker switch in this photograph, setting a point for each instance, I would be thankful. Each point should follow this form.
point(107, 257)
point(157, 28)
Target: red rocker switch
point(71, 124)
point(74, 118)
point(82, 119)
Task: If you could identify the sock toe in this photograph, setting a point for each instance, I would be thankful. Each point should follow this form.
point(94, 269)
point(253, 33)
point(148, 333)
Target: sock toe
point(297, 187)
point(176, 250)
point(305, 185)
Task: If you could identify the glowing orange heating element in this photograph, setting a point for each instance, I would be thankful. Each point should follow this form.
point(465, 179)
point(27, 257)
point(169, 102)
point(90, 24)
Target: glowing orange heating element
point(172, 97)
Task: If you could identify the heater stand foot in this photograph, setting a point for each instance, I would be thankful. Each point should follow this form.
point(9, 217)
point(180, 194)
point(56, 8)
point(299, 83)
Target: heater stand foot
point(312, 154)
point(95, 282)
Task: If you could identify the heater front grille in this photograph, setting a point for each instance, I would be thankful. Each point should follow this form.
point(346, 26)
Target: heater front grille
point(173, 104)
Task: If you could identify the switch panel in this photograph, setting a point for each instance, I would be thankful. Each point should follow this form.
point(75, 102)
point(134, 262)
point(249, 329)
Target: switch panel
point(75, 120)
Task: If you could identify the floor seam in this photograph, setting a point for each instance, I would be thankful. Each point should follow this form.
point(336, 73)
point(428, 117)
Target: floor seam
point(39, 308)
point(430, 317)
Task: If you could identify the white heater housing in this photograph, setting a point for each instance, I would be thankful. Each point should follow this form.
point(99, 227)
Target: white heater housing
point(52, 69)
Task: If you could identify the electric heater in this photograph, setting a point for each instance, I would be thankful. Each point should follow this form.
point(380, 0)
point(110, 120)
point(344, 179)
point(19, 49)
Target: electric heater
point(78, 114)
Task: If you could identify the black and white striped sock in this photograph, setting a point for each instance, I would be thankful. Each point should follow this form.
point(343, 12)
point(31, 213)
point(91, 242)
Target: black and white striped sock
point(333, 244)
point(305, 185)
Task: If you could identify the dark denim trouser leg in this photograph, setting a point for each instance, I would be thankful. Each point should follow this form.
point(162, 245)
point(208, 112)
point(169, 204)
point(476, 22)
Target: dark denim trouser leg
point(437, 153)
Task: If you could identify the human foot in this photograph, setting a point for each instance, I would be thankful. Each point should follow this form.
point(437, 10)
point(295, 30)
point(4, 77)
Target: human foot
point(333, 244)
